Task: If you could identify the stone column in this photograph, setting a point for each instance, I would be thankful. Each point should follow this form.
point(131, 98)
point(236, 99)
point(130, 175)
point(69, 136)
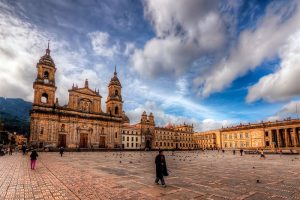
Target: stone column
point(279, 144)
point(295, 137)
point(286, 138)
point(291, 140)
point(284, 133)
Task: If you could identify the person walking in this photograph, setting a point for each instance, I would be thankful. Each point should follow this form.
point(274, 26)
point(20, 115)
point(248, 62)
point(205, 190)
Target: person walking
point(262, 155)
point(61, 151)
point(241, 152)
point(161, 168)
point(233, 152)
point(10, 150)
point(24, 149)
point(33, 158)
point(17, 149)
point(280, 152)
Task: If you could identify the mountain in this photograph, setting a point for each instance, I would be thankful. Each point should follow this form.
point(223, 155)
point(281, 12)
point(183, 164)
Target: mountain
point(14, 112)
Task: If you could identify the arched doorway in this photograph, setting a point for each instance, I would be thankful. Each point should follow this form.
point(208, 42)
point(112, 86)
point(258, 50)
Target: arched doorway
point(62, 140)
point(102, 142)
point(83, 140)
point(148, 144)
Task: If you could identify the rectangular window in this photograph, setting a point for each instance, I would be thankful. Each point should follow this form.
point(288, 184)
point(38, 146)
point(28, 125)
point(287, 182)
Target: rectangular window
point(127, 145)
point(246, 135)
point(241, 135)
point(267, 133)
point(123, 138)
point(132, 139)
point(127, 138)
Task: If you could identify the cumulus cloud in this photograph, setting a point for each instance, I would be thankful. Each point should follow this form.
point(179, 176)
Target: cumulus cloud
point(163, 119)
point(21, 46)
point(129, 48)
point(289, 110)
point(253, 47)
point(101, 45)
point(18, 47)
point(283, 84)
point(185, 30)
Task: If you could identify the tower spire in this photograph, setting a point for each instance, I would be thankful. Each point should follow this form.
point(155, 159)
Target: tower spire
point(86, 84)
point(48, 49)
point(115, 73)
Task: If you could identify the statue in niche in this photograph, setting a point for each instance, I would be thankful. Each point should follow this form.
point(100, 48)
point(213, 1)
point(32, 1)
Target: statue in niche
point(62, 128)
point(85, 105)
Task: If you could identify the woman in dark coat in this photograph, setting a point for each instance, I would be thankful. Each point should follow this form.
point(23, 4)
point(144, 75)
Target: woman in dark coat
point(161, 168)
point(33, 158)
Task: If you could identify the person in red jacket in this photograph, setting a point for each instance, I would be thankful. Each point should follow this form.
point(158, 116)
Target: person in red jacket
point(33, 158)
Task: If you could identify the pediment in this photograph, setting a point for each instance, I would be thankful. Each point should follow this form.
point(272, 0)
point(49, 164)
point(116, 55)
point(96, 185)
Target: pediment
point(86, 91)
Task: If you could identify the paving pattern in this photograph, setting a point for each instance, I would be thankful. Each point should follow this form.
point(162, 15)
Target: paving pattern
point(130, 175)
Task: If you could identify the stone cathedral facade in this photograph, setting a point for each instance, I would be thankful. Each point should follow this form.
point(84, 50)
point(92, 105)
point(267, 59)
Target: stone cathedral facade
point(81, 123)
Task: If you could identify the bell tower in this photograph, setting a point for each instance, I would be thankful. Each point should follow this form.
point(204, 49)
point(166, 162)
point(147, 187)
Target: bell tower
point(44, 84)
point(114, 103)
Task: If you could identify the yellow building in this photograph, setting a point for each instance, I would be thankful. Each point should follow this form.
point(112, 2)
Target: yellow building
point(173, 137)
point(265, 135)
point(206, 140)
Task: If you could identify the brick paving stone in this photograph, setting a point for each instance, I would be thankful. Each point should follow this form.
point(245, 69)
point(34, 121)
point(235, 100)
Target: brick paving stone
point(193, 175)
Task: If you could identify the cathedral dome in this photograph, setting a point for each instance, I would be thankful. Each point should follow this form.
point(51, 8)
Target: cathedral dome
point(115, 80)
point(46, 59)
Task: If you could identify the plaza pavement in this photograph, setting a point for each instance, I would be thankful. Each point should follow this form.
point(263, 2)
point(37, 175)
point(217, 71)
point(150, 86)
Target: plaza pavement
point(130, 175)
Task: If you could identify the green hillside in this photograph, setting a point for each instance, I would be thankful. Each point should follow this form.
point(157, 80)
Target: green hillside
point(15, 114)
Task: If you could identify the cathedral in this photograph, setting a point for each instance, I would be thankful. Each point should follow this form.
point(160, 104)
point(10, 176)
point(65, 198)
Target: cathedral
point(81, 123)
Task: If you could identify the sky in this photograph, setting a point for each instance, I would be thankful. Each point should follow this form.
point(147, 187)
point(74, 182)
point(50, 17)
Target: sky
point(208, 63)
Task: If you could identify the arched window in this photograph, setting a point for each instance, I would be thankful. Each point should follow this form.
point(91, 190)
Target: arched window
point(46, 74)
point(44, 98)
point(116, 135)
point(46, 77)
point(116, 92)
point(116, 110)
